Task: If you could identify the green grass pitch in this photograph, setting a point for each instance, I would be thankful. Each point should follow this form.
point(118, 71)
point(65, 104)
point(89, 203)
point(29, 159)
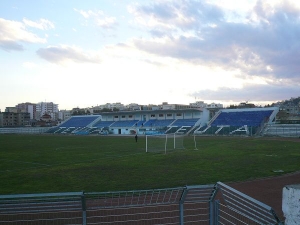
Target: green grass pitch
point(53, 163)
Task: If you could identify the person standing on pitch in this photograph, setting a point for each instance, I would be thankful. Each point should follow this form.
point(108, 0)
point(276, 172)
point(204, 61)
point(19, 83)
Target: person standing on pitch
point(136, 137)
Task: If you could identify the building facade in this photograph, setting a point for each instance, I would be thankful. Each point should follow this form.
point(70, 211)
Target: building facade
point(49, 108)
point(27, 107)
point(64, 115)
point(14, 119)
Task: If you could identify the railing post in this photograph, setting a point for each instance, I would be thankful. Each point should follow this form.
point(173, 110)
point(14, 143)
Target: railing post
point(214, 207)
point(181, 202)
point(181, 215)
point(211, 212)
point(214, 211)
point(83, 204)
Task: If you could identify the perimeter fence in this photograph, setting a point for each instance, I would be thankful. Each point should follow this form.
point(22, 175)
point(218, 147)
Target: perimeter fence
point(23, 130)
point(282, 130)
point(201, 205)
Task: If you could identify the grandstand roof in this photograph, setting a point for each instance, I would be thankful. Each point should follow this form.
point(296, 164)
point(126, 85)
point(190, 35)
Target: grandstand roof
point(150, 111)
point(249, 109)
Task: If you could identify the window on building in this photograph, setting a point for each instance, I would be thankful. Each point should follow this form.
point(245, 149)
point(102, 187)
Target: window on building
point(178, 114)
point(152, 115)
point(169, 115)
point(160, 115)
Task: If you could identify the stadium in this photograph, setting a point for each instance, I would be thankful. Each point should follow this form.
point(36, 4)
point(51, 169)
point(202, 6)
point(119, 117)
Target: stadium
point(247, 122)
point(187, 121)
point(160, 178)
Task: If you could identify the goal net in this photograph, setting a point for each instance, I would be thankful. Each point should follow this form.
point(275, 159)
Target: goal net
point(164, 143)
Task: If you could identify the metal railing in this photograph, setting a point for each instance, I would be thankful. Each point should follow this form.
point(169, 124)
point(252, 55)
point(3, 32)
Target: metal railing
point(201, 205)
point(23, 130)
point(49, 208)
point(237, 208)
point(282, 130)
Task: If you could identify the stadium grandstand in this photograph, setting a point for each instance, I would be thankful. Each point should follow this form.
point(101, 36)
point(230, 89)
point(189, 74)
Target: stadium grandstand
point(250, 121)
point(134, 122)
point(77, 125)
point(246, 121)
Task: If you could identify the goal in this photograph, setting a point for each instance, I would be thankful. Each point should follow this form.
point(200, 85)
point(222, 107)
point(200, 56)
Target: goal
point(164, 143)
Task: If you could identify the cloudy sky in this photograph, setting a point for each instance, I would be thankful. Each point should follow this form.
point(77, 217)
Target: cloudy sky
point(88, 53)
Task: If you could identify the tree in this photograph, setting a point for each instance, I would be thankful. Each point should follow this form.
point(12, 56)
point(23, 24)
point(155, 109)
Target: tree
point(78, 111)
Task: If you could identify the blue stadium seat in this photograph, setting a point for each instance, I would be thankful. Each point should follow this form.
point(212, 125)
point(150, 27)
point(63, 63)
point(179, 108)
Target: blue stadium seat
point(79, 121)
point(241, 118)
point(102, 124)
point(185, 122)
point(129, 123)
point(158, 123)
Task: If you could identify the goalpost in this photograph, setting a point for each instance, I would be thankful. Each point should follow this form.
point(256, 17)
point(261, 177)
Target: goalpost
point(195, 142)
point(164, 142)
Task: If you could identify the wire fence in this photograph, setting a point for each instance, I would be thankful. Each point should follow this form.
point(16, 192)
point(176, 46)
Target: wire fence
point(23, 130)
point(190, 205)
point(282, 130)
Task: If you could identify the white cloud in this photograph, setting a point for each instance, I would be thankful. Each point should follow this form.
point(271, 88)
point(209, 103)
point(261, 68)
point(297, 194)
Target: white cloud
point(14, 33)
point(99, 18)
point(173, 51)
point(85, 14)
point(267, 46)
point(64, 54)
point(106, 22)
point(41, 24)
point(250, 92)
